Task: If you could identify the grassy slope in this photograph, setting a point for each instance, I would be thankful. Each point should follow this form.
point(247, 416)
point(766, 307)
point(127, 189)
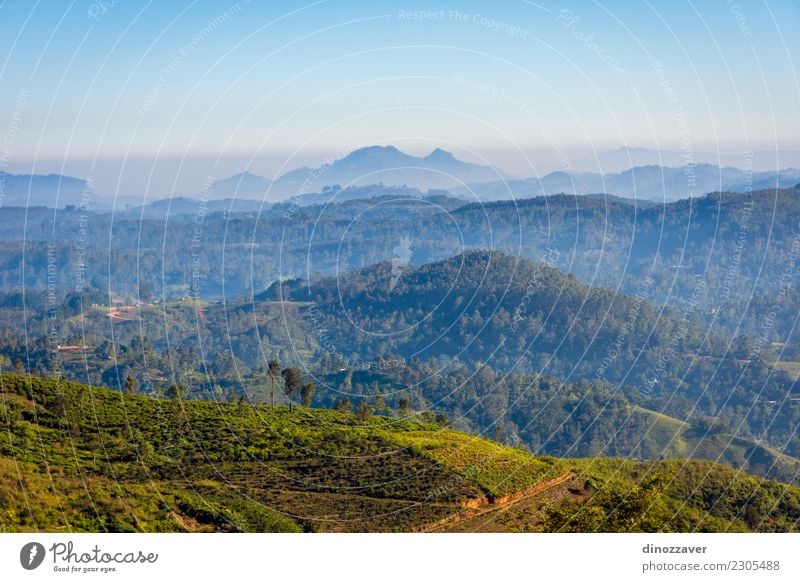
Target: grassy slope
point(78, 458)
point(669, 437)
point(649, 434)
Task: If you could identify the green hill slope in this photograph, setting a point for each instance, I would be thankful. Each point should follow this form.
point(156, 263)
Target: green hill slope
point(79, 458)
point(662, 436)
point(559, 419)
point(492, 307)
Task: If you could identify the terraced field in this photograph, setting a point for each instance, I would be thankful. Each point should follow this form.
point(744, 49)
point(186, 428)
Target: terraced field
point(80, 458)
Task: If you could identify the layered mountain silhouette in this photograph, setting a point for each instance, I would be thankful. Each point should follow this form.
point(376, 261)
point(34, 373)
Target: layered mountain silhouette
point(364, 171)
point(50, 190)
point(368, 166)
point(385, 165)
point(625, 158)
point(243, 185)
point(653, 183)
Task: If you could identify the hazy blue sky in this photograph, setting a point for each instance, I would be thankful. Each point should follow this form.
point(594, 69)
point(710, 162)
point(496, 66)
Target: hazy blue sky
point(270, 85)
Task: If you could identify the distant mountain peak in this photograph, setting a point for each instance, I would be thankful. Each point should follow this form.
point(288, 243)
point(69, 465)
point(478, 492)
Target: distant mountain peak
point(239, 175)
point(387, 165)
point(372, 150)
point(51, 190)
point(242, 185)
point(440, 155)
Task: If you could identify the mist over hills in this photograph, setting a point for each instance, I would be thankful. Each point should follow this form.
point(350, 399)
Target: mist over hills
point(385, 165)
point(601, 240)
point(334, 198)
point(367, 166)
point(181, 207)
point(625, 158)
point(244, 185)
point(51, 190)
point(352, 176)
point(651, 183)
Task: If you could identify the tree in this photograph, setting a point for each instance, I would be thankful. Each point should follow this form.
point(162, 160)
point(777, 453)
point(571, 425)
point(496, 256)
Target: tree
point(105, 350)
point(307, 392)
point(176, 392)
point(60, 404)
point(343, 405)
point(403, 406)
point(130, 385)
point(498, 431)
point(380, 404)
point(292, 380)
point(742, 347)
point(711, 426)
point(752, 518)
point(145, 292)
point(363, 410)
point(273, 368)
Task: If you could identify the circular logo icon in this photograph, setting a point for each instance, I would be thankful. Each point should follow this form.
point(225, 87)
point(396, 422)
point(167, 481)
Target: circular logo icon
point(31, 555)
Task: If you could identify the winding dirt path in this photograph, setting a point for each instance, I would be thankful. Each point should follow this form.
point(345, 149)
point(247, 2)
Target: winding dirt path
point(476, 507)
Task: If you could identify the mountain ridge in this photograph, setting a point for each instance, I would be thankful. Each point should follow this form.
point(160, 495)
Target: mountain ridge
point(438, 170)
point(652, 183)
point(384, 164)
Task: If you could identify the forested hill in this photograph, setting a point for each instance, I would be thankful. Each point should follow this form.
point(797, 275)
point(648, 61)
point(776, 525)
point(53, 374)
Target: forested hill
point(500, 345)
point(729, 240)
point(97, 460)
point(491, 307)
point(662, 252)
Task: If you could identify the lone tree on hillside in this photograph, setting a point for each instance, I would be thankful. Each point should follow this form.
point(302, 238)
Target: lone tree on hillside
point(403, 406)
point(176, 392)
point(380, 405)
point(363, 410)
point(130, 385)
point(273, 367)
point(307, 393)
point(292, 380)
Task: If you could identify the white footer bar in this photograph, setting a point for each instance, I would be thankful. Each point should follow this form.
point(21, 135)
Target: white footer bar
point(376, 557)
